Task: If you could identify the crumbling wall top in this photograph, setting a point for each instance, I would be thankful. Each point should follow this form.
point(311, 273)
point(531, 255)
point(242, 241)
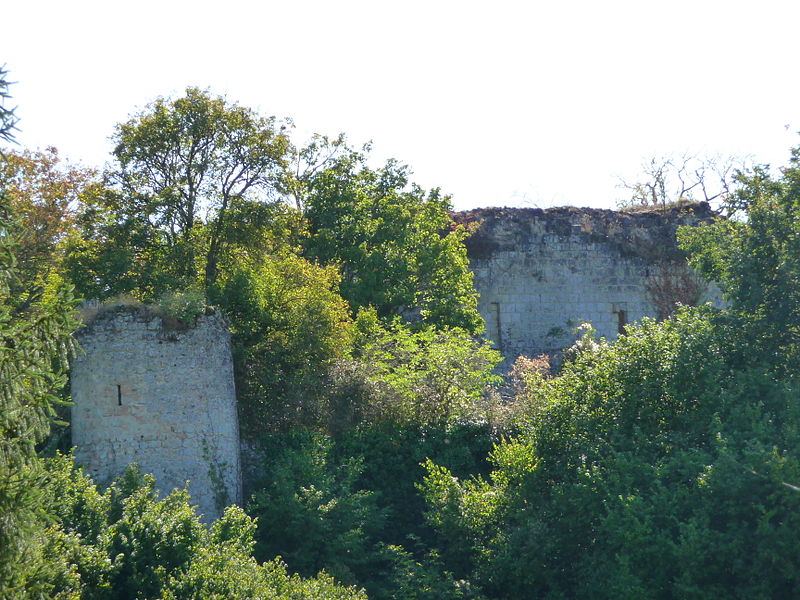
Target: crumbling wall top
point(96, 315)
point(646, 233)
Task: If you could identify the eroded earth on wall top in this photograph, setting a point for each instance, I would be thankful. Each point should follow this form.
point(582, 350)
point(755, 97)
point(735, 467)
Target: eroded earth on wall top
point(647, 233)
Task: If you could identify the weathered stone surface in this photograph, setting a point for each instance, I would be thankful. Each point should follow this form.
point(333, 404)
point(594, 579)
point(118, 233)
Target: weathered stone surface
point(541, 273)
point(161, 397)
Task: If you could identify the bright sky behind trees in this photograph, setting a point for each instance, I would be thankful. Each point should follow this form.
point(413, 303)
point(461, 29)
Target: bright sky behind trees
point(501, 103)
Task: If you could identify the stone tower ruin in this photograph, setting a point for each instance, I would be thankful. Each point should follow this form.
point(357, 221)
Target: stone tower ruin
point(162, 397)
point(542, 272)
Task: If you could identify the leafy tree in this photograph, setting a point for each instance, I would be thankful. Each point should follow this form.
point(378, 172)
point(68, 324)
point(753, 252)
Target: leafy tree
point(319, 154)
point(348, 504)
point(111, 253)
point(288, 325)
point(755, 257)
point(108, 253)
point(312, 512)
point(428, 376)
point(36, 343)
point(397, 247)
point(183, 162)
point(392, 456)
point(44, 193)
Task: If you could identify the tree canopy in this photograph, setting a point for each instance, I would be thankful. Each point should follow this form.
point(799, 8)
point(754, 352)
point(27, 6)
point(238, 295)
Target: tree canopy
point(44, 193)
point(396, 245)
point(183, 162)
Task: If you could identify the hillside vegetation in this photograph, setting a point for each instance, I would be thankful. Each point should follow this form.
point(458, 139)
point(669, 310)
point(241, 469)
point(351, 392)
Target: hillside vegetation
point(665, 465)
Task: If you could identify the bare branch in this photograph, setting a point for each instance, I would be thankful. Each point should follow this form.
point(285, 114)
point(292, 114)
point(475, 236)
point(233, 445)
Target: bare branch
point(687, 178)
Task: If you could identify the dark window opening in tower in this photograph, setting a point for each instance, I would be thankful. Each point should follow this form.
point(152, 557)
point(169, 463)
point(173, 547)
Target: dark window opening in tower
point(622, 320)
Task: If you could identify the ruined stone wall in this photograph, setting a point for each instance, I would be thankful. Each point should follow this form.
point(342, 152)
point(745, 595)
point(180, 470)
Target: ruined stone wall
point(161, 397)
point(541, 273)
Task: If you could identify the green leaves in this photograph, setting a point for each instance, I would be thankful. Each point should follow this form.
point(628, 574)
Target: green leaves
point(289, 325)
point(755, 256)
point(312, 511)
point(426, 376)
point(35, 345)
point(655, 465)
point(395, 244)
point(128, 543)
point(183, 162)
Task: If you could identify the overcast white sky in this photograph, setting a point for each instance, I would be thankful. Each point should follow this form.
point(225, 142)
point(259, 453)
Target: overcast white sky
point(498, 103)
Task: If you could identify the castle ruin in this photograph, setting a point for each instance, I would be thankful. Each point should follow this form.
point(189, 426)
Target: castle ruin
point(540, 273)
point(162, 397)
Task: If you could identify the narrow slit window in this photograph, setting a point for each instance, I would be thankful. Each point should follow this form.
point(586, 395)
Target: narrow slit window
point(495, 332)
point(119, 395)
point(622, 320)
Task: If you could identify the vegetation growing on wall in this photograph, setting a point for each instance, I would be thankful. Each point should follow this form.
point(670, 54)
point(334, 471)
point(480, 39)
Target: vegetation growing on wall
point(674, 285)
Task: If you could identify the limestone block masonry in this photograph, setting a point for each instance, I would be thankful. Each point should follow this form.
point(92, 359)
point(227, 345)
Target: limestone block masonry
point(161, 397)
point(541, 273)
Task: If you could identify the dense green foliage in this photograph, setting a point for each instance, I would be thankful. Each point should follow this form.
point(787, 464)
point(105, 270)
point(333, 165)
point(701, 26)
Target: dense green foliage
point(289, 325)
point(652, 465)
point(665, 465)
point(181, 159)
point(35, 337)
point(345, 498)
point(127, 543)
point(427, 376)
point(36, 342)
point(350, 504)
point(397, 247)
point(755, 256)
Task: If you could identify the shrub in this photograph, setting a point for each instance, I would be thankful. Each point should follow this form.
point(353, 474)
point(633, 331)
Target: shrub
point(656, 468)
point(126, 542)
